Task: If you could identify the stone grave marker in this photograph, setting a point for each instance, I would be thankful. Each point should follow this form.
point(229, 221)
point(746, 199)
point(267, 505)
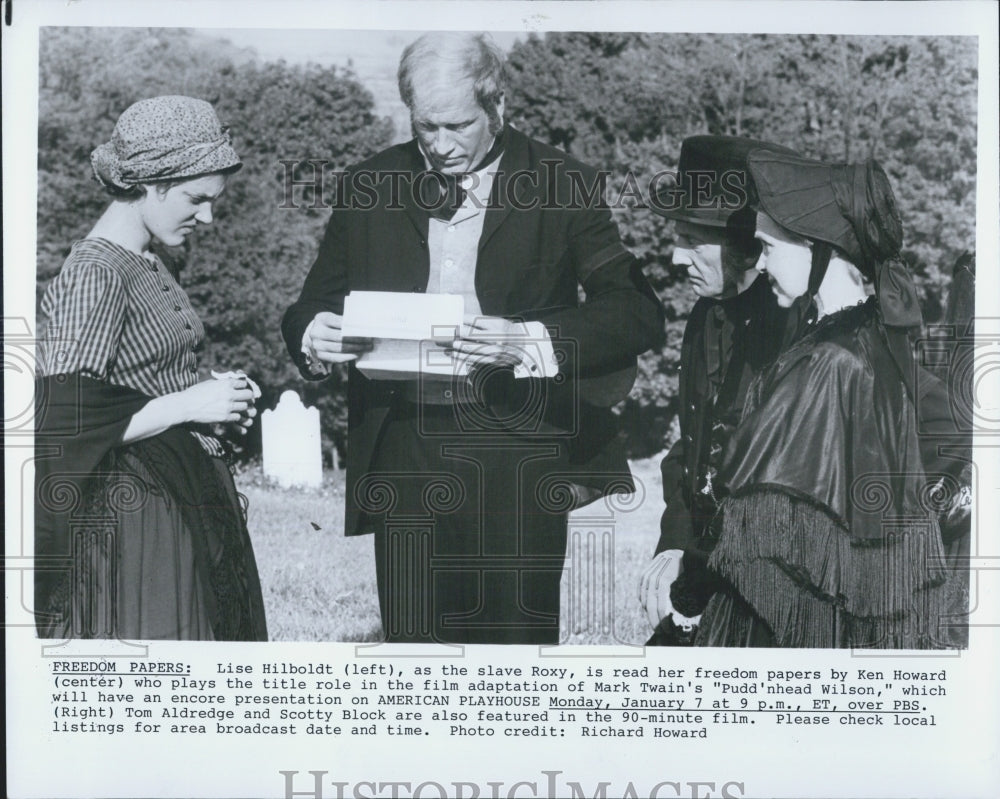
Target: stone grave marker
point(291, 443)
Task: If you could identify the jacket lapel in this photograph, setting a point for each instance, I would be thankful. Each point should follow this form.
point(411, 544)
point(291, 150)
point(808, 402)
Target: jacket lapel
point(411, 207)
point(513, 160)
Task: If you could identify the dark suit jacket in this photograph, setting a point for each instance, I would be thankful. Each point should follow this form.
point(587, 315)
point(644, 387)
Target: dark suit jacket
point(726, 342)
point(542, 240)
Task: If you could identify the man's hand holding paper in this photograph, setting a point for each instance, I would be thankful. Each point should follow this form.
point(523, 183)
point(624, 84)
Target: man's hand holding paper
point(497, 341)
point(324, 340)
point(429, 334)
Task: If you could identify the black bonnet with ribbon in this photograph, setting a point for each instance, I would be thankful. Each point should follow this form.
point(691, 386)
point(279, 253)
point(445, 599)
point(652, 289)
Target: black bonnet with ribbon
point(851, 209)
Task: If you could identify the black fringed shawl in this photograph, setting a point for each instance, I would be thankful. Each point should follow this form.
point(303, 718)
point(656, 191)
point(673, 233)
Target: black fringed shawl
point(79, 427)
point(827, 499)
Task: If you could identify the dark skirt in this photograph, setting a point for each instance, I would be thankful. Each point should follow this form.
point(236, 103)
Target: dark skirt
point(144, 567)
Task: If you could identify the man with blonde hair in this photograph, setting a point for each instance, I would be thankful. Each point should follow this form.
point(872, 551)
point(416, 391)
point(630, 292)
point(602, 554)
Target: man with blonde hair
point(466, 482)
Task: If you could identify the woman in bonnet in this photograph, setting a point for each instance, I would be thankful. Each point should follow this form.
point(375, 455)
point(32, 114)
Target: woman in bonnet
point(827, 536)
point(139, 530)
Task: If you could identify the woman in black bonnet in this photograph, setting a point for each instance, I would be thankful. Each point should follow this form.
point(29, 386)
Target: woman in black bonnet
point(139, 532)
point(826, 537)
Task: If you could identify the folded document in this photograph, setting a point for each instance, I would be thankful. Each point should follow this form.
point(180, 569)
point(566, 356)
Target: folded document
point(411, 333)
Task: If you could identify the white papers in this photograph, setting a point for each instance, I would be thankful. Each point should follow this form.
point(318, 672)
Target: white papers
point(400, 315)
point(408, 333)
point(402, 359)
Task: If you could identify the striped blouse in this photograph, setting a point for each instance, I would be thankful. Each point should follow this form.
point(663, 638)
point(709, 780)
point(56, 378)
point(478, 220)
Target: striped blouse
point(116, 316)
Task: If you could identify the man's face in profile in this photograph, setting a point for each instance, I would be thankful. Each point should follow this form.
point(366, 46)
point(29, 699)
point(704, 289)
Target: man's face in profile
point(453, 129)
point(700, 249)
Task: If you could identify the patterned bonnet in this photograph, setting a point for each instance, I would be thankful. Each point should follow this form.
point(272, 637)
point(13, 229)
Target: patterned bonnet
point(164, 138)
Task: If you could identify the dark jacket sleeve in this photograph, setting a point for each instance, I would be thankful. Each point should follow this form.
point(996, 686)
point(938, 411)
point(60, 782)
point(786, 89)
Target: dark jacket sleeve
point(324, 289)
point(621, 316)
point(944, 448)
point(676, 531)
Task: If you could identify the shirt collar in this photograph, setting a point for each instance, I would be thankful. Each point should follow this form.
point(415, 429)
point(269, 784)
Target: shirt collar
point(478, 198)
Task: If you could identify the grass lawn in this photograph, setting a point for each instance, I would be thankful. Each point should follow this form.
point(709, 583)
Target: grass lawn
point(320, 585)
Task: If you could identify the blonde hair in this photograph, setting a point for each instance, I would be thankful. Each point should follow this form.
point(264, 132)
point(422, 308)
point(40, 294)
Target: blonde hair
point(471, 56)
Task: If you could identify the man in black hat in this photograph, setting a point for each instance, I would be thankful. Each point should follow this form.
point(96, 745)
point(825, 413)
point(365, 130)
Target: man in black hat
point(734, 329)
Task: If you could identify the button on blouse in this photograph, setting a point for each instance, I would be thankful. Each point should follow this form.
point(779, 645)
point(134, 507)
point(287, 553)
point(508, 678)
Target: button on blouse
point(116, 316)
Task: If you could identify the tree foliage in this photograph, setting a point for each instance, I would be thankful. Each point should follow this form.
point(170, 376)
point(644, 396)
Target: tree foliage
point(625, 101)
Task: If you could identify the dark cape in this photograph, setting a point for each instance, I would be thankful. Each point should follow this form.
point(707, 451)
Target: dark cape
point(79, 426)
point(828, 533)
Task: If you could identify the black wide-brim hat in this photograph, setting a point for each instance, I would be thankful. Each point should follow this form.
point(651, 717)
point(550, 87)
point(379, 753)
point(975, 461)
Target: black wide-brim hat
point(712, 181)
point(850, 206)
